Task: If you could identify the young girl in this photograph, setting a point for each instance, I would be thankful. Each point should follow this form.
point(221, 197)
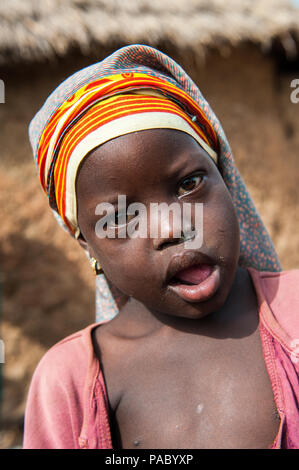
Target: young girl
point(195, 343)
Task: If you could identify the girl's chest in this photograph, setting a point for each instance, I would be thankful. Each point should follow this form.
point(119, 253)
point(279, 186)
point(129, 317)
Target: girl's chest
point(194, 397)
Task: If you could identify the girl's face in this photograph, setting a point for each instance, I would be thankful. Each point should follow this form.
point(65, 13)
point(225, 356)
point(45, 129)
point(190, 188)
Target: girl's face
point(161, 166)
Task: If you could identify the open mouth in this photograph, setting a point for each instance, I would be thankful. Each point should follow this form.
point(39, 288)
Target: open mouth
point(196, 283)
point(193, 275)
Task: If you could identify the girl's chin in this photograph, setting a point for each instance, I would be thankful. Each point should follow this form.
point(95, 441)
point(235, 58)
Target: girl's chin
point(198, 310)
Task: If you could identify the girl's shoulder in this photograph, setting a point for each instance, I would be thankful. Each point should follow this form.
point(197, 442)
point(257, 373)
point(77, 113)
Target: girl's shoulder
point(56, 399)
point(278, 296)
point(73, 350)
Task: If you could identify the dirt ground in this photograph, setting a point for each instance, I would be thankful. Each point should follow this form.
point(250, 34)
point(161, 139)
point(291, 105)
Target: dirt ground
point(47, 283)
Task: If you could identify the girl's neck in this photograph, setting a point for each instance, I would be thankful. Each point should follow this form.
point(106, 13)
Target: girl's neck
point(136, 320)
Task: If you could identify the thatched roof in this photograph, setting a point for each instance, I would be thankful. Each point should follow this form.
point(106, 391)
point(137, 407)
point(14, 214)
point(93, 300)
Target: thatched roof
point(33, 30)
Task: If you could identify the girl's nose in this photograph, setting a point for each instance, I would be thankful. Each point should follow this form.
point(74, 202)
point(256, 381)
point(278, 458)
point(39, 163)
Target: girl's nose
point(163, 242)
point(168, 228)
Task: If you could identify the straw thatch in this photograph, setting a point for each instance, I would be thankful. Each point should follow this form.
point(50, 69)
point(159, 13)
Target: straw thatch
point(34, 30)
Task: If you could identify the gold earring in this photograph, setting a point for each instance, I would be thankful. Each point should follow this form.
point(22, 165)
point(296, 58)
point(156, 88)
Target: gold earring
point(96, 266)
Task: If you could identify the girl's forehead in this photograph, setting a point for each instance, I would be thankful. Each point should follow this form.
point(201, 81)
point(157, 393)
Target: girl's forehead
point(151, 150)
point(139, 163)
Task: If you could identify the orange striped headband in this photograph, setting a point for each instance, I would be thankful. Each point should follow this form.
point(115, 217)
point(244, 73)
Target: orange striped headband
point(102, 110)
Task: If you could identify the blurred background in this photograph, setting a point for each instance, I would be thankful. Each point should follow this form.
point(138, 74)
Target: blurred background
point(243, 55)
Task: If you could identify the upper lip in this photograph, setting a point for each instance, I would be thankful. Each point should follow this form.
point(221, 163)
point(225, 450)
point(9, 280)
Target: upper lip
point(185, 260)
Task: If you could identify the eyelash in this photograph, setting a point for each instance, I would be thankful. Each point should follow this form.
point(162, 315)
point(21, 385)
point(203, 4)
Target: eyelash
point(127, 221)
point(196, 175)
point(131, 217)
point(199, 175)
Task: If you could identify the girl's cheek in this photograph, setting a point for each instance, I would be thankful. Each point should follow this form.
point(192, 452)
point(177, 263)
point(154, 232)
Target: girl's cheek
point(220, 225)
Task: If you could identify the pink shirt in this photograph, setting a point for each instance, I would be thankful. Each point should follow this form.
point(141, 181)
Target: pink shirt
point(67, 406)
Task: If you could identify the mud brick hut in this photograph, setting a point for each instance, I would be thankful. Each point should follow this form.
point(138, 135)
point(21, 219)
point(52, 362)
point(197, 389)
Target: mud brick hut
point(243, 54)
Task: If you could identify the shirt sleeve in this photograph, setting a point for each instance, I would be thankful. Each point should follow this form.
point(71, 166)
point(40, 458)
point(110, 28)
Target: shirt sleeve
point(53, 415)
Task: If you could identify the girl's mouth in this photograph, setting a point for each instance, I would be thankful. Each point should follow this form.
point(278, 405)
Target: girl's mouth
point(197, 283)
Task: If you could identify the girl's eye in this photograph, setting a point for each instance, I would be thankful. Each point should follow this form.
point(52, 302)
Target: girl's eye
point(123, 218)
point(189, 184)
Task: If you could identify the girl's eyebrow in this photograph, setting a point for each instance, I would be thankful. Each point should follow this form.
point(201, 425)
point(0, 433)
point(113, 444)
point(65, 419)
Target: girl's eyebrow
point(197, 160)
point(95, 202)
point(189, 162)
point(111, 199)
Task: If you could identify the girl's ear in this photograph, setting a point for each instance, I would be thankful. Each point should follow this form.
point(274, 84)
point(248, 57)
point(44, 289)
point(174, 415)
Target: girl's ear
point(83, 243)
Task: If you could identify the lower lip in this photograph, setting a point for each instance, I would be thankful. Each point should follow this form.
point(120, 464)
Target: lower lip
point(199, 292)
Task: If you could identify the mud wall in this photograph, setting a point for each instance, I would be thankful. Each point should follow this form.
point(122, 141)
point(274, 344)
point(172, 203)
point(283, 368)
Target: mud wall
point(47, 283)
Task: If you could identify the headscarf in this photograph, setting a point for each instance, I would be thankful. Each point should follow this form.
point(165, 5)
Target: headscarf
point(76, 118)
point(102, 110)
